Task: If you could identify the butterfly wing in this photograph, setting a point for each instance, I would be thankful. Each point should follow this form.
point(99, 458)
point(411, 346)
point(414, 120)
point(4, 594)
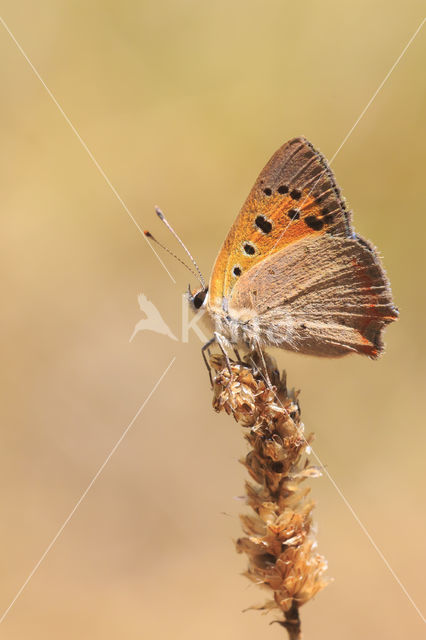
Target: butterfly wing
point(292, 271)
point(294, 197)
point(322, 296)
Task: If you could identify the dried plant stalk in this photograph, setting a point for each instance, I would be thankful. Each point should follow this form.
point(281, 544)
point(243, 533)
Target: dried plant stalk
point(279, 540)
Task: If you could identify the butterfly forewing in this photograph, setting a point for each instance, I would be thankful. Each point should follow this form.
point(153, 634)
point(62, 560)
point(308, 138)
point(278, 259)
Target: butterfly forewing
point(294, 197)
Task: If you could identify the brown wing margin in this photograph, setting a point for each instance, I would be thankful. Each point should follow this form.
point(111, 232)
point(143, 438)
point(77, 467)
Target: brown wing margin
point(298, 167)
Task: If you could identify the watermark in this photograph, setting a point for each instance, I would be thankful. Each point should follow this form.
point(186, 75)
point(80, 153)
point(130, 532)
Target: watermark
point(154, 321)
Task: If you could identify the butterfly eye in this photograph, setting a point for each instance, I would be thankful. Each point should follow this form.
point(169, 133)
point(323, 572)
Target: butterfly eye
point(267, 191)
point(199, 298)
point(249, 249)
point(263, 224)
point(236, 271)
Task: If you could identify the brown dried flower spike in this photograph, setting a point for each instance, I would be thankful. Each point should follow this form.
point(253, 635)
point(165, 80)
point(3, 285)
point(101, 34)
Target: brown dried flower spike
point(279, 540)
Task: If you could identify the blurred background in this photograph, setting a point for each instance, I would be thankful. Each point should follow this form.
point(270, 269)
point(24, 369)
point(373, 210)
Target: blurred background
point(182, 103)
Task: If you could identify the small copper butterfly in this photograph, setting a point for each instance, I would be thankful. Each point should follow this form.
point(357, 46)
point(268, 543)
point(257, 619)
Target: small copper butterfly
point(292, 272)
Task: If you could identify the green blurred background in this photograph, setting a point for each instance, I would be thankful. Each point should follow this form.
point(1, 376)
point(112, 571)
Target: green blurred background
point(182, 103)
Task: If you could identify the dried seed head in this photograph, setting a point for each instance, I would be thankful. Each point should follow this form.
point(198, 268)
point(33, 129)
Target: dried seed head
point(279, 540)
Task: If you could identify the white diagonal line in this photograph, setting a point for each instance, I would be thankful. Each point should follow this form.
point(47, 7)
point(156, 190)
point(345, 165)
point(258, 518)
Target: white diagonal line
point(352, 510)
point(86, 491)
point(84, 145)
point(369, 536)
point(357, 121)
point(379, 88)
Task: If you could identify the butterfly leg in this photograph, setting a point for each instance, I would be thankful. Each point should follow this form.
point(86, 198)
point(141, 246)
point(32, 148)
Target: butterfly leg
point(219, 341)
point(203, 349)
point(216, 338)
point(265, 374)
point(237, 355)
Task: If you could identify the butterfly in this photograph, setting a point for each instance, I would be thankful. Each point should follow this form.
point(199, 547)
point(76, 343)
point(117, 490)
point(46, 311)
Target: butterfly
point(292, 273)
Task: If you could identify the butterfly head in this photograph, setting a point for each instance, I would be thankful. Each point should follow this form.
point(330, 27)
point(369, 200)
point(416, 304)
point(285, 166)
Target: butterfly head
point(198, 298)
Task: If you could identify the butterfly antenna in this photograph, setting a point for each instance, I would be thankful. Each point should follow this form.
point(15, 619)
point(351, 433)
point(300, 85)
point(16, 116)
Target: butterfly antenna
point(160, 214)
point(149, 235)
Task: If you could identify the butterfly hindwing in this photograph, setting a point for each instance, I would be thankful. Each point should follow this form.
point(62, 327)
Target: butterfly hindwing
point(322, 296)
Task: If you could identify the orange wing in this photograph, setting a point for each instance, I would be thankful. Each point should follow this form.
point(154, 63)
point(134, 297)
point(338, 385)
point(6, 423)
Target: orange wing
point(295, 196)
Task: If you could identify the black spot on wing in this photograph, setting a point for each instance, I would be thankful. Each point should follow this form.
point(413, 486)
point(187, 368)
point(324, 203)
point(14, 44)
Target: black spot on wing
point(263, 224)
point(314, 223)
